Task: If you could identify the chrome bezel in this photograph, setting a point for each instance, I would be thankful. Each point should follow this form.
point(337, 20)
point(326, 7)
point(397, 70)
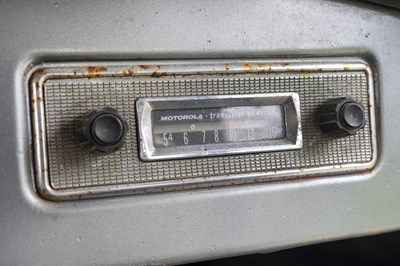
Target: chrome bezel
point(289, 101)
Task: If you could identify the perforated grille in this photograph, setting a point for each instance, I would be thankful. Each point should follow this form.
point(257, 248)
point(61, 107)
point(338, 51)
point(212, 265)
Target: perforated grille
point(67, 100)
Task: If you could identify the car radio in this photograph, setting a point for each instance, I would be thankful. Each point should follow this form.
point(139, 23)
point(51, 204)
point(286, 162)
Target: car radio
point(117, 128)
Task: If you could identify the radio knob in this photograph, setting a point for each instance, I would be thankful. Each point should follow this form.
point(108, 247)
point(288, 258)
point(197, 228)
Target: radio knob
point(341, 117)
point(102, 131)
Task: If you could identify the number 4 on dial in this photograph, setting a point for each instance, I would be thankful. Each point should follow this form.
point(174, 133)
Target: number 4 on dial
point(167, 137)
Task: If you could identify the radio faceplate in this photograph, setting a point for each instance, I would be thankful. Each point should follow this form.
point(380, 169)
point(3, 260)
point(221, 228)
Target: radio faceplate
point(201, 126)
point(60, 94)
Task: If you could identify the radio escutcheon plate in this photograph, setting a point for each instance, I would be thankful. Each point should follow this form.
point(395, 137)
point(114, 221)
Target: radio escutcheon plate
point(61, 93)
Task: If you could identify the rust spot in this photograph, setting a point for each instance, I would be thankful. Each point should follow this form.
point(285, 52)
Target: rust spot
point(157, 74)
point(262, 65)
point(41, 71)
point(305, 74)
point(129, 72)
point(304, 178)
point(268, 66)
point(74, 72)
point(95, 71)
point(144, 67)
point(284, 64)
point(38, 72)
point(375, 232)
point(39, 99)
point(132, 71)
point(226, 67)
point(248, 68)
point(262, 68)
point(41, 135)
point(45, 170)
point(369, 171)
point(37, 85)
point(346, 68)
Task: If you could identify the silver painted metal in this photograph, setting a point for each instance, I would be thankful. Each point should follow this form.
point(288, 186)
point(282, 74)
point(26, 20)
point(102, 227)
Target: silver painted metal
point(95, 72)
point(292, 119)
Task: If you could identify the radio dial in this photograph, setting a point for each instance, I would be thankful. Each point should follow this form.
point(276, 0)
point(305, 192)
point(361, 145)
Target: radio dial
point(341, 117)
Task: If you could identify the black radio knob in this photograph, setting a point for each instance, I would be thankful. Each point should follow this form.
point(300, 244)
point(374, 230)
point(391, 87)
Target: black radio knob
point(341, 117)
point(102, 131)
